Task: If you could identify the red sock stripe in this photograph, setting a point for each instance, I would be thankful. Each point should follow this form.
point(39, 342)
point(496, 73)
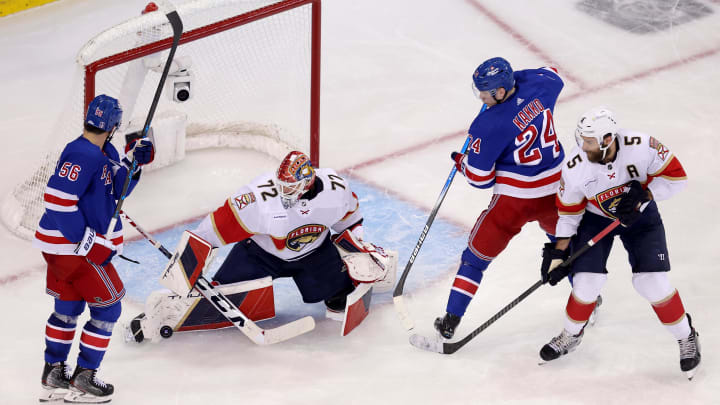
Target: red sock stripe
point(670, 310)
point(465, 285)
point(577, 310)
point(52, 332)
point(97, 342)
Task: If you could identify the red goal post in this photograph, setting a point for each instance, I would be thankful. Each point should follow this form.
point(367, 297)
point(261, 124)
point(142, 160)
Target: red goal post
point(251, 69)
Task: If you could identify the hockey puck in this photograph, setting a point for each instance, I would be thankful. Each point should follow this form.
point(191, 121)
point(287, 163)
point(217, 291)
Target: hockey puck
point(166, 331)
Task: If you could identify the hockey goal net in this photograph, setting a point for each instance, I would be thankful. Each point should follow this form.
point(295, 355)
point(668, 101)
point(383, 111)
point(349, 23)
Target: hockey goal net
point(246, 74)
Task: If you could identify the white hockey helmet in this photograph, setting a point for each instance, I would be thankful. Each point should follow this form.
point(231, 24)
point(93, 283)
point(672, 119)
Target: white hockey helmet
point(597, 123)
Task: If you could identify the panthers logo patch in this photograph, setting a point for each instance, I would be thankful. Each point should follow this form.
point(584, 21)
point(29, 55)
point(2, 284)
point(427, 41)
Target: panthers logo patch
point(608, 200)
point(300, 237)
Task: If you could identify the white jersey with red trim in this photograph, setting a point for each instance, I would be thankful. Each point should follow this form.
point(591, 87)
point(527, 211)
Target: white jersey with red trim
point(256, 212)
point(597, 187)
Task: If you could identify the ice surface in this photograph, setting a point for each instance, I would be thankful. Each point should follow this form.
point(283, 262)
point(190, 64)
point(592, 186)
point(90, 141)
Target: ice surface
point(396, 76)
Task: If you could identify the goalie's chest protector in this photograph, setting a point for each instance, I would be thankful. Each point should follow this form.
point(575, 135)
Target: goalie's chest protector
point(288, 233)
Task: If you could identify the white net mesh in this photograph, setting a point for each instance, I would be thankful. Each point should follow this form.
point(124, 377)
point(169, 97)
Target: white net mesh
point(249, 86)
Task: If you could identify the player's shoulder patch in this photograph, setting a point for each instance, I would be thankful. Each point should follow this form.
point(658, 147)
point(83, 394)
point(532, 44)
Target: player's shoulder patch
point(662, 151)
point(243, 200)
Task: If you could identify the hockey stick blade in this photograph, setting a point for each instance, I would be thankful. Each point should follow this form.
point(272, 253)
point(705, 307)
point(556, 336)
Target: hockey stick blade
point(452, 347)
point(426, 343)
point(257, 334)
point(289, 330)
point(403, 313)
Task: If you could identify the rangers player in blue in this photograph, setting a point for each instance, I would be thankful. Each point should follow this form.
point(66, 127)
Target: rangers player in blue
point(513, 149)
point(80, 200)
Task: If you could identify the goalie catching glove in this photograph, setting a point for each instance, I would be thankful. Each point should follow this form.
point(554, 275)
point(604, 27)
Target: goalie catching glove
point(365, 262)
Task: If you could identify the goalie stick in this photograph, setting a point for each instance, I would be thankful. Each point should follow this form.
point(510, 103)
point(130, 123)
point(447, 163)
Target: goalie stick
point(231, 312)
point(438, 344)
point(177, 28)
point(398, 301)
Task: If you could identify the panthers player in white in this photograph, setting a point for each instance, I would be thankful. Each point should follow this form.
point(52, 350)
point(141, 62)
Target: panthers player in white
point(280, 224)
point(616, 173)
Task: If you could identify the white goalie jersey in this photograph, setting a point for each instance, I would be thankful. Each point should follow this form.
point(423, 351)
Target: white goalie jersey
point(597, 187)
point(256, 212)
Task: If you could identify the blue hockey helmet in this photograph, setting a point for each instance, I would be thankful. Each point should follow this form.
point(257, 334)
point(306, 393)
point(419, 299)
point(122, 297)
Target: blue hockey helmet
point(493, 74)
point(104, 113)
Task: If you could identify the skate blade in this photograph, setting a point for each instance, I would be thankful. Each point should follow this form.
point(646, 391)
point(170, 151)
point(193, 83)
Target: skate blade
point(691, 373)
point(52, 394)
point(334, 315)
point(78, 397)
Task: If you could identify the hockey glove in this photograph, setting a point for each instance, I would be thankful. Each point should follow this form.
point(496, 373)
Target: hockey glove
point(628, 209)
point(365, 262)
point(96, 248)
point(142, 149)
point(552, 270)
point(458, 157)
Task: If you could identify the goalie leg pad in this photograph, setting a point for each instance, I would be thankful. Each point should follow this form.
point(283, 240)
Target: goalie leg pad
point(254, 298)
point(357, 308)
point(192, 256)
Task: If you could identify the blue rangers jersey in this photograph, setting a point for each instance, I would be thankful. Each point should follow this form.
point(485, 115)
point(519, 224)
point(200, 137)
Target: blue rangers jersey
point(82, 193)
point(513, 145)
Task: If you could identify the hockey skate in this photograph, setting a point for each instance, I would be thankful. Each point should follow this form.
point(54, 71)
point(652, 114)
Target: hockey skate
point(446, 325)
point(561, 345)
point(690, 352)
point(335, 307)
point(86, 388)
point(55, 381)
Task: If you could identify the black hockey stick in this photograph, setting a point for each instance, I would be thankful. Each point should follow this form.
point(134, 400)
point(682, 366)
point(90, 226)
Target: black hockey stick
point(442, 347)
point(231, 312)
point(177, 28)
point(398, 301)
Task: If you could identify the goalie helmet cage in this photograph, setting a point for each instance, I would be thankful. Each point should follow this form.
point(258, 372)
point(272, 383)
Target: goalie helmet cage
point(252, 68)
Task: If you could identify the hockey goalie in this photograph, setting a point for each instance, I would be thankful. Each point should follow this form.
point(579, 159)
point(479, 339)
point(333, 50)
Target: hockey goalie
point(281, 225)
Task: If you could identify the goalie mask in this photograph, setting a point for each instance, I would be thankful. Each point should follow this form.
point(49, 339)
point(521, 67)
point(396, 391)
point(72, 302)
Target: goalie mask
point(295, 177)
